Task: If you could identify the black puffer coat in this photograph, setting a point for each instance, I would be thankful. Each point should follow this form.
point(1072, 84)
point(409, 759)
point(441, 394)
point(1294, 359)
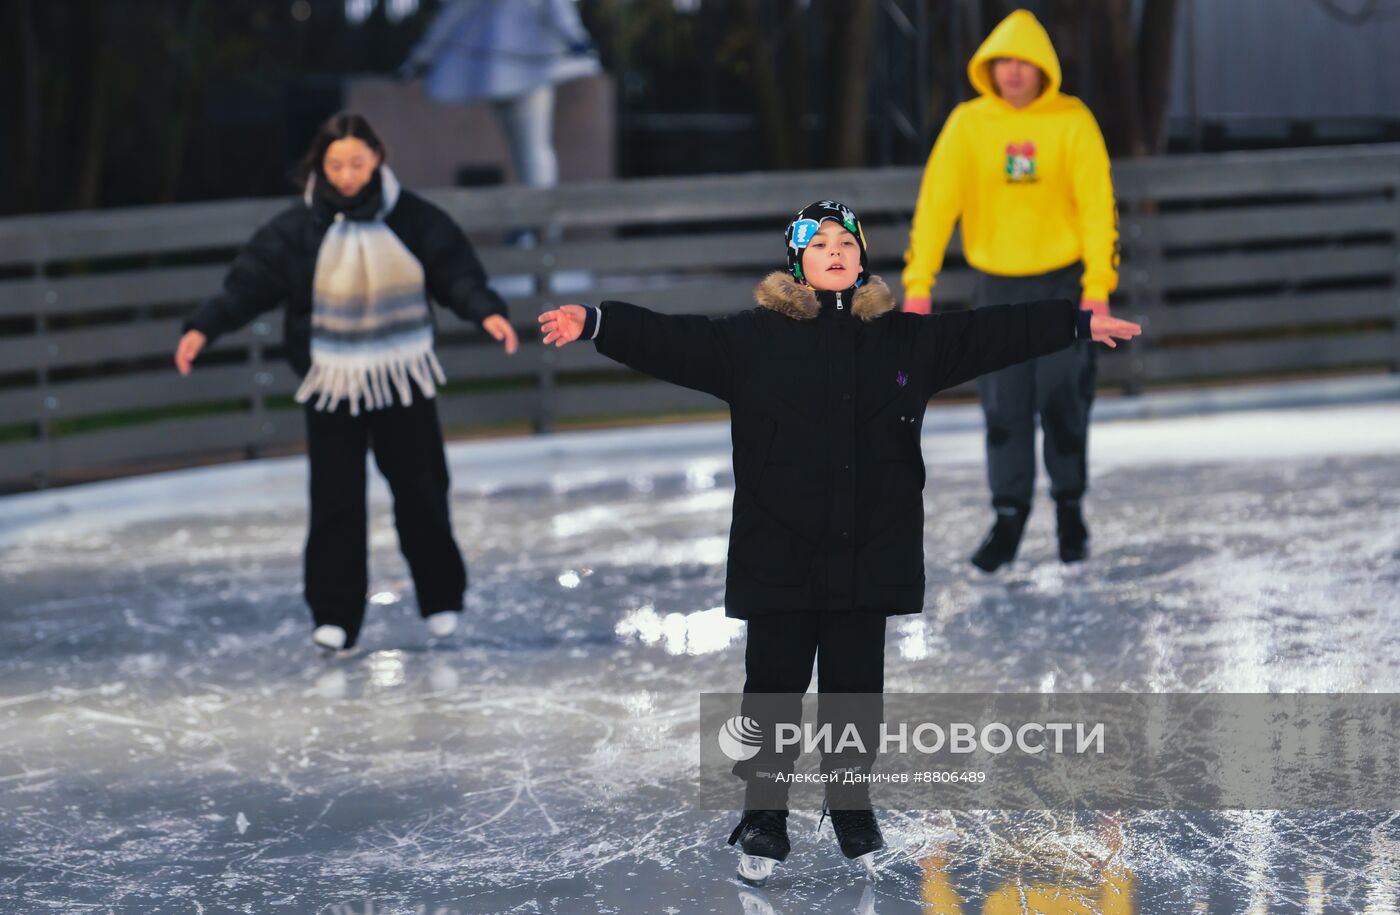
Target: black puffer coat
point(827, 393)
point(278, 265)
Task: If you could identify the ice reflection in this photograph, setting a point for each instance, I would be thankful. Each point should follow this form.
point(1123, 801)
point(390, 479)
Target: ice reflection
point(332, 684)
point(1383, 877)
point(701, 632)
point(386, 669)
point(1063, 870)
point(913, 639)
point(701, 476)
point(1255, 839)
point(640, 704)
point(443, 676)
point(1316, 901)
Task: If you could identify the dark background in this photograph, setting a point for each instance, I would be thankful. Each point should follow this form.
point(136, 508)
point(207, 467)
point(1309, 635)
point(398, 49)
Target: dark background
point(128, 102)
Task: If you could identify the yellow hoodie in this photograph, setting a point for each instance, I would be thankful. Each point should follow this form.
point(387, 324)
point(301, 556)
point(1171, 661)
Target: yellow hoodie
point(1031, 185)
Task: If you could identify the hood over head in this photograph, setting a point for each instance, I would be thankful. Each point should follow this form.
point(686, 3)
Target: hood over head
point(1019, 35)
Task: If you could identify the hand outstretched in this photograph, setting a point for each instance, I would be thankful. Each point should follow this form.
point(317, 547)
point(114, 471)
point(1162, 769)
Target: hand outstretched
point(188, 350)
point(500, 329)
point(1106, 329)
point(563, 324)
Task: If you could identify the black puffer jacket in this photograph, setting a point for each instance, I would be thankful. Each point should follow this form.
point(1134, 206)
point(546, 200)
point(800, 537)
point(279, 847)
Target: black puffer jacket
point(278, 264)
point(827, 395)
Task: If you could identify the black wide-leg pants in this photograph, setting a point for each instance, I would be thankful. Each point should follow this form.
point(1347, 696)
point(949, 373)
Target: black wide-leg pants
point(408, 449)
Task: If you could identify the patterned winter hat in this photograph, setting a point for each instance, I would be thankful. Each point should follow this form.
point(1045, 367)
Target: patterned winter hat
point(808, 220)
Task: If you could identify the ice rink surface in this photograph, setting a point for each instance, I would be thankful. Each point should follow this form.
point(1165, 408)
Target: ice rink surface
point(170, 741)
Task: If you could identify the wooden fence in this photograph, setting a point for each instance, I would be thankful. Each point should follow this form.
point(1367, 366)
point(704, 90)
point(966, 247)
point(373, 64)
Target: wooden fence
point(1240, 265)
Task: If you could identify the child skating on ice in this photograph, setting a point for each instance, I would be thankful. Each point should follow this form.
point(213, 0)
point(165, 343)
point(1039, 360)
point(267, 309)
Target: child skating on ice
point(827, 384)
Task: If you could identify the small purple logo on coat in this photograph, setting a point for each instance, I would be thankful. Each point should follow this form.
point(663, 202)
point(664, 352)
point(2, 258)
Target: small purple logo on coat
point(901, 379)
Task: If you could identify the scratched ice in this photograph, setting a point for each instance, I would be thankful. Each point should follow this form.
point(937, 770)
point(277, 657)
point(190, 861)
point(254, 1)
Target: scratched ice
point(170, 742)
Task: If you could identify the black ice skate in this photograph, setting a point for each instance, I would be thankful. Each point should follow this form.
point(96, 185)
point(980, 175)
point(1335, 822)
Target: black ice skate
point(1074, 536)
point(1000, 545)
point(762, 834)
point(859, 836)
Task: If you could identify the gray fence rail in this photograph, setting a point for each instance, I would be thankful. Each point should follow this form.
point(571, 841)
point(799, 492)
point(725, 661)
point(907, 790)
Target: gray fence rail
point(1241, 265)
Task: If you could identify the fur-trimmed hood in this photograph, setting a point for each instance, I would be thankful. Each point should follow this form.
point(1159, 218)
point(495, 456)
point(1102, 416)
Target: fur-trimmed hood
point(781, 293)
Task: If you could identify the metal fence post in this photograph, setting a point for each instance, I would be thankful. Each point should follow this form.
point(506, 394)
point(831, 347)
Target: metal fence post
point(545, 392)
point(1395, 300)
point(49, 399)
point(1142, 270)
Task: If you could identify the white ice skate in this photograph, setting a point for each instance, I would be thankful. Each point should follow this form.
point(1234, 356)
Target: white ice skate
point(755, 901)
point(762, 837)
point(329, 637)
point(858, 833)
point(754, 870)
point(443, 624)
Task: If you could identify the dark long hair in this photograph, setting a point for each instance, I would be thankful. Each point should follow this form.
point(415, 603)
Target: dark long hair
point(337, 127)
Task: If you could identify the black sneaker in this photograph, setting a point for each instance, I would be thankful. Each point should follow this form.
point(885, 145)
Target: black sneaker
point(762, 834)
point(1074, 536)
point(1000, 545)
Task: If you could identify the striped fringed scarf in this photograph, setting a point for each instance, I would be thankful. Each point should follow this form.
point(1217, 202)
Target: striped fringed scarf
point(371, 331)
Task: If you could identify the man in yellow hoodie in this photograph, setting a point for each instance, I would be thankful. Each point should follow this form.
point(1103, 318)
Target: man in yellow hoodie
point(1025, 170)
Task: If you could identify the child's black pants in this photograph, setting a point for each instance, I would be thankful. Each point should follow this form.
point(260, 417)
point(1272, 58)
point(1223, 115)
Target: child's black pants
point(849, 651)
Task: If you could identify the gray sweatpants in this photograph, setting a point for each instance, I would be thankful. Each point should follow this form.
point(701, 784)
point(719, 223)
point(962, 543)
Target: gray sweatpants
point(1059, 387)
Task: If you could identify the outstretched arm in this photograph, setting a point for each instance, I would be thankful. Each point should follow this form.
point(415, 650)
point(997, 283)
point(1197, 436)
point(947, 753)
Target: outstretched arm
point(693, 351)
point(457, 280)
point(256, 282)
point(958, 346)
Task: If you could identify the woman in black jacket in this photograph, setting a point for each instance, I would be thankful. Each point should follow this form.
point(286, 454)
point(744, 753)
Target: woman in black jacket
point(355, 262)
point(827, 386)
